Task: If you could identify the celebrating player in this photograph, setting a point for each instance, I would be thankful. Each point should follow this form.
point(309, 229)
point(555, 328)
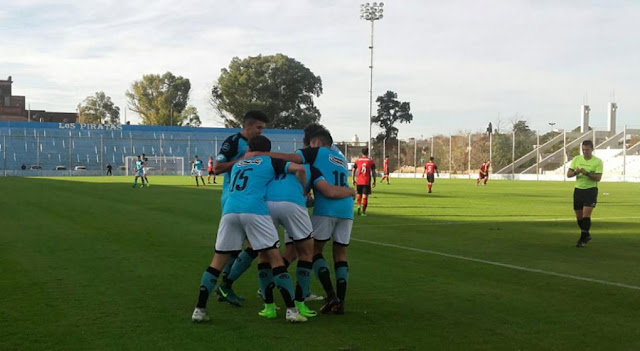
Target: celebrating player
point(363, 170)
point(245, 215)
point(234, 148)
point(429, 169)
point(483, 173)
point(588, 171)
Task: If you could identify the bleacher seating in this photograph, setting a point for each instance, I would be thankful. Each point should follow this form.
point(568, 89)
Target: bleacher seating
point(52, 144)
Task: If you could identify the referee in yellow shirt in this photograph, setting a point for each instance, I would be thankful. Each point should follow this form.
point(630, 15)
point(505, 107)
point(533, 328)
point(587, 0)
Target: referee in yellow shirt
point(588, 171)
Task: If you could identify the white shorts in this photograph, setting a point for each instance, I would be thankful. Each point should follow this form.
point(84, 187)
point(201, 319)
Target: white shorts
point(235, 227)
point(197, 173)
point(327, 228)
point(139, 172)
point(144, 171)
point(294, 218)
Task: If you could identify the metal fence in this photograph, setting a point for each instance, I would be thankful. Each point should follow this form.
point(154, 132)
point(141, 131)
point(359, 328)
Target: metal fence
point(515, 155)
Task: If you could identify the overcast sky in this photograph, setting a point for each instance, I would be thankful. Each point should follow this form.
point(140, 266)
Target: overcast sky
point(461, 64)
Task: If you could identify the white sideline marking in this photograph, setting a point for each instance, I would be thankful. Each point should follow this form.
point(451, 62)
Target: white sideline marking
point(465, 223)
point(603, 282)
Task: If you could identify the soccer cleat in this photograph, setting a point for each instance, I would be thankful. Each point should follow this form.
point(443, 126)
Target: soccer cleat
point(339, 309)
point(586, 239)
point(304, 310)
point(269, 311)
point(200, 315)
point(330, 304)
point(294, 316)
point(313, 297)
point(228, 295)
point(363, 214)
point(579, 243)
point(359, 211)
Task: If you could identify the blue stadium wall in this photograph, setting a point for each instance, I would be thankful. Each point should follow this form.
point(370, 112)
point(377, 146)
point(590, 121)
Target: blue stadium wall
point(50, 145)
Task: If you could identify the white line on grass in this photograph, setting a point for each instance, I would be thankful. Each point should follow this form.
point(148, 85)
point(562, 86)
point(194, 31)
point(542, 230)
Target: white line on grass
point(465, 223)
point(603, 282)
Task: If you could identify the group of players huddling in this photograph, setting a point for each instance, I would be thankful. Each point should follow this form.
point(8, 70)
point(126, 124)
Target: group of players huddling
point(263, 190)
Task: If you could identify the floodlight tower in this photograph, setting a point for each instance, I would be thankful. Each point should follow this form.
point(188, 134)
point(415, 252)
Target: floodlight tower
point(372, 13)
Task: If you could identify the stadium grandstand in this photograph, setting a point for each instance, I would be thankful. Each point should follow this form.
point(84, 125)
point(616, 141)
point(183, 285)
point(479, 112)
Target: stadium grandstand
point(59, 149)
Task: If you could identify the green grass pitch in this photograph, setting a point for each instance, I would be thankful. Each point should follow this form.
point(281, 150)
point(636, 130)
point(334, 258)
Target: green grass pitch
point(92, 264)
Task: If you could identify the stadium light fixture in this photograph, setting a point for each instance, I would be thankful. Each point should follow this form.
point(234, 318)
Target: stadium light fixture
point(371, 13)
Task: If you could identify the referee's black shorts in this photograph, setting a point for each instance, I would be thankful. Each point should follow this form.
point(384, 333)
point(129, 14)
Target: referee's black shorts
point(584, 197)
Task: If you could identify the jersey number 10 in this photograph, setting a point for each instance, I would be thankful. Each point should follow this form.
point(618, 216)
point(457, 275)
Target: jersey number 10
point(340, 178)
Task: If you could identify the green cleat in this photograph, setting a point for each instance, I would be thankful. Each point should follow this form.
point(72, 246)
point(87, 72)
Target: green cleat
point(359, 210)
point(228, 295)
point(269, 311)
point(304, 310)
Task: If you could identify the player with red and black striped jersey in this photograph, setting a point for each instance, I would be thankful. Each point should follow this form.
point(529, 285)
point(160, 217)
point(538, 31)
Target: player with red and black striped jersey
point(363, 170)
point(429, 169)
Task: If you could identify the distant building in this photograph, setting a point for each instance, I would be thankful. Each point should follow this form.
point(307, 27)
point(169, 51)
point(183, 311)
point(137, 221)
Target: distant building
point(13, 108)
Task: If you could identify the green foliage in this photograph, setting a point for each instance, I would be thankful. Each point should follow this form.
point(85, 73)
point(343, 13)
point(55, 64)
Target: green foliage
point(98, 109)
point(278, 85)
point(190, 117)
point(390, 112)
point(160, 99)
point(525, 140)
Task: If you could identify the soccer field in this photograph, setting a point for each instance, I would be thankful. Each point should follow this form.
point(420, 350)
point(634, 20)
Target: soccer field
point(92, 264)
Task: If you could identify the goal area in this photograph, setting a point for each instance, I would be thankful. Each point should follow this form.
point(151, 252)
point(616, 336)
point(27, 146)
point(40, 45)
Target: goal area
point(157, 165)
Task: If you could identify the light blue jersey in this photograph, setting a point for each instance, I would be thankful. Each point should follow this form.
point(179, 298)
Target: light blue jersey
point(248, 186)
point(287, 187)
point(197, 165)
point(334, 169)
point(139, 168)
point(233, 148)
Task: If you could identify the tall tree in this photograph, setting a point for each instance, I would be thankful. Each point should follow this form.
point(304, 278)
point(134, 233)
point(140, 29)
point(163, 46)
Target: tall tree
point(160, 99)
point(190, 117)
point(390, 112)
point(278, 85)
point(98, 109)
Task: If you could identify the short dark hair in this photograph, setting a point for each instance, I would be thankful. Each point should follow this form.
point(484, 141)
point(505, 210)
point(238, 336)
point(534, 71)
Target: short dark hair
point(588, 143)
point(323, 135)
point(431, 158)
point(254, 115)
point(260, 143)
point(365, 151)
point(309, 130)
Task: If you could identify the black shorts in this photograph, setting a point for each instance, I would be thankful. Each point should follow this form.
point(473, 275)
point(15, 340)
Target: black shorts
point(431, 178)
point(364, 189)
point(211, 172)
point(482, 176)
point(584, 197)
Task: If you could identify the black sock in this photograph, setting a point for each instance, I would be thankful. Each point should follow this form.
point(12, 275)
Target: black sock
point(579, 222)
point(286, 263)
point(586, 224)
